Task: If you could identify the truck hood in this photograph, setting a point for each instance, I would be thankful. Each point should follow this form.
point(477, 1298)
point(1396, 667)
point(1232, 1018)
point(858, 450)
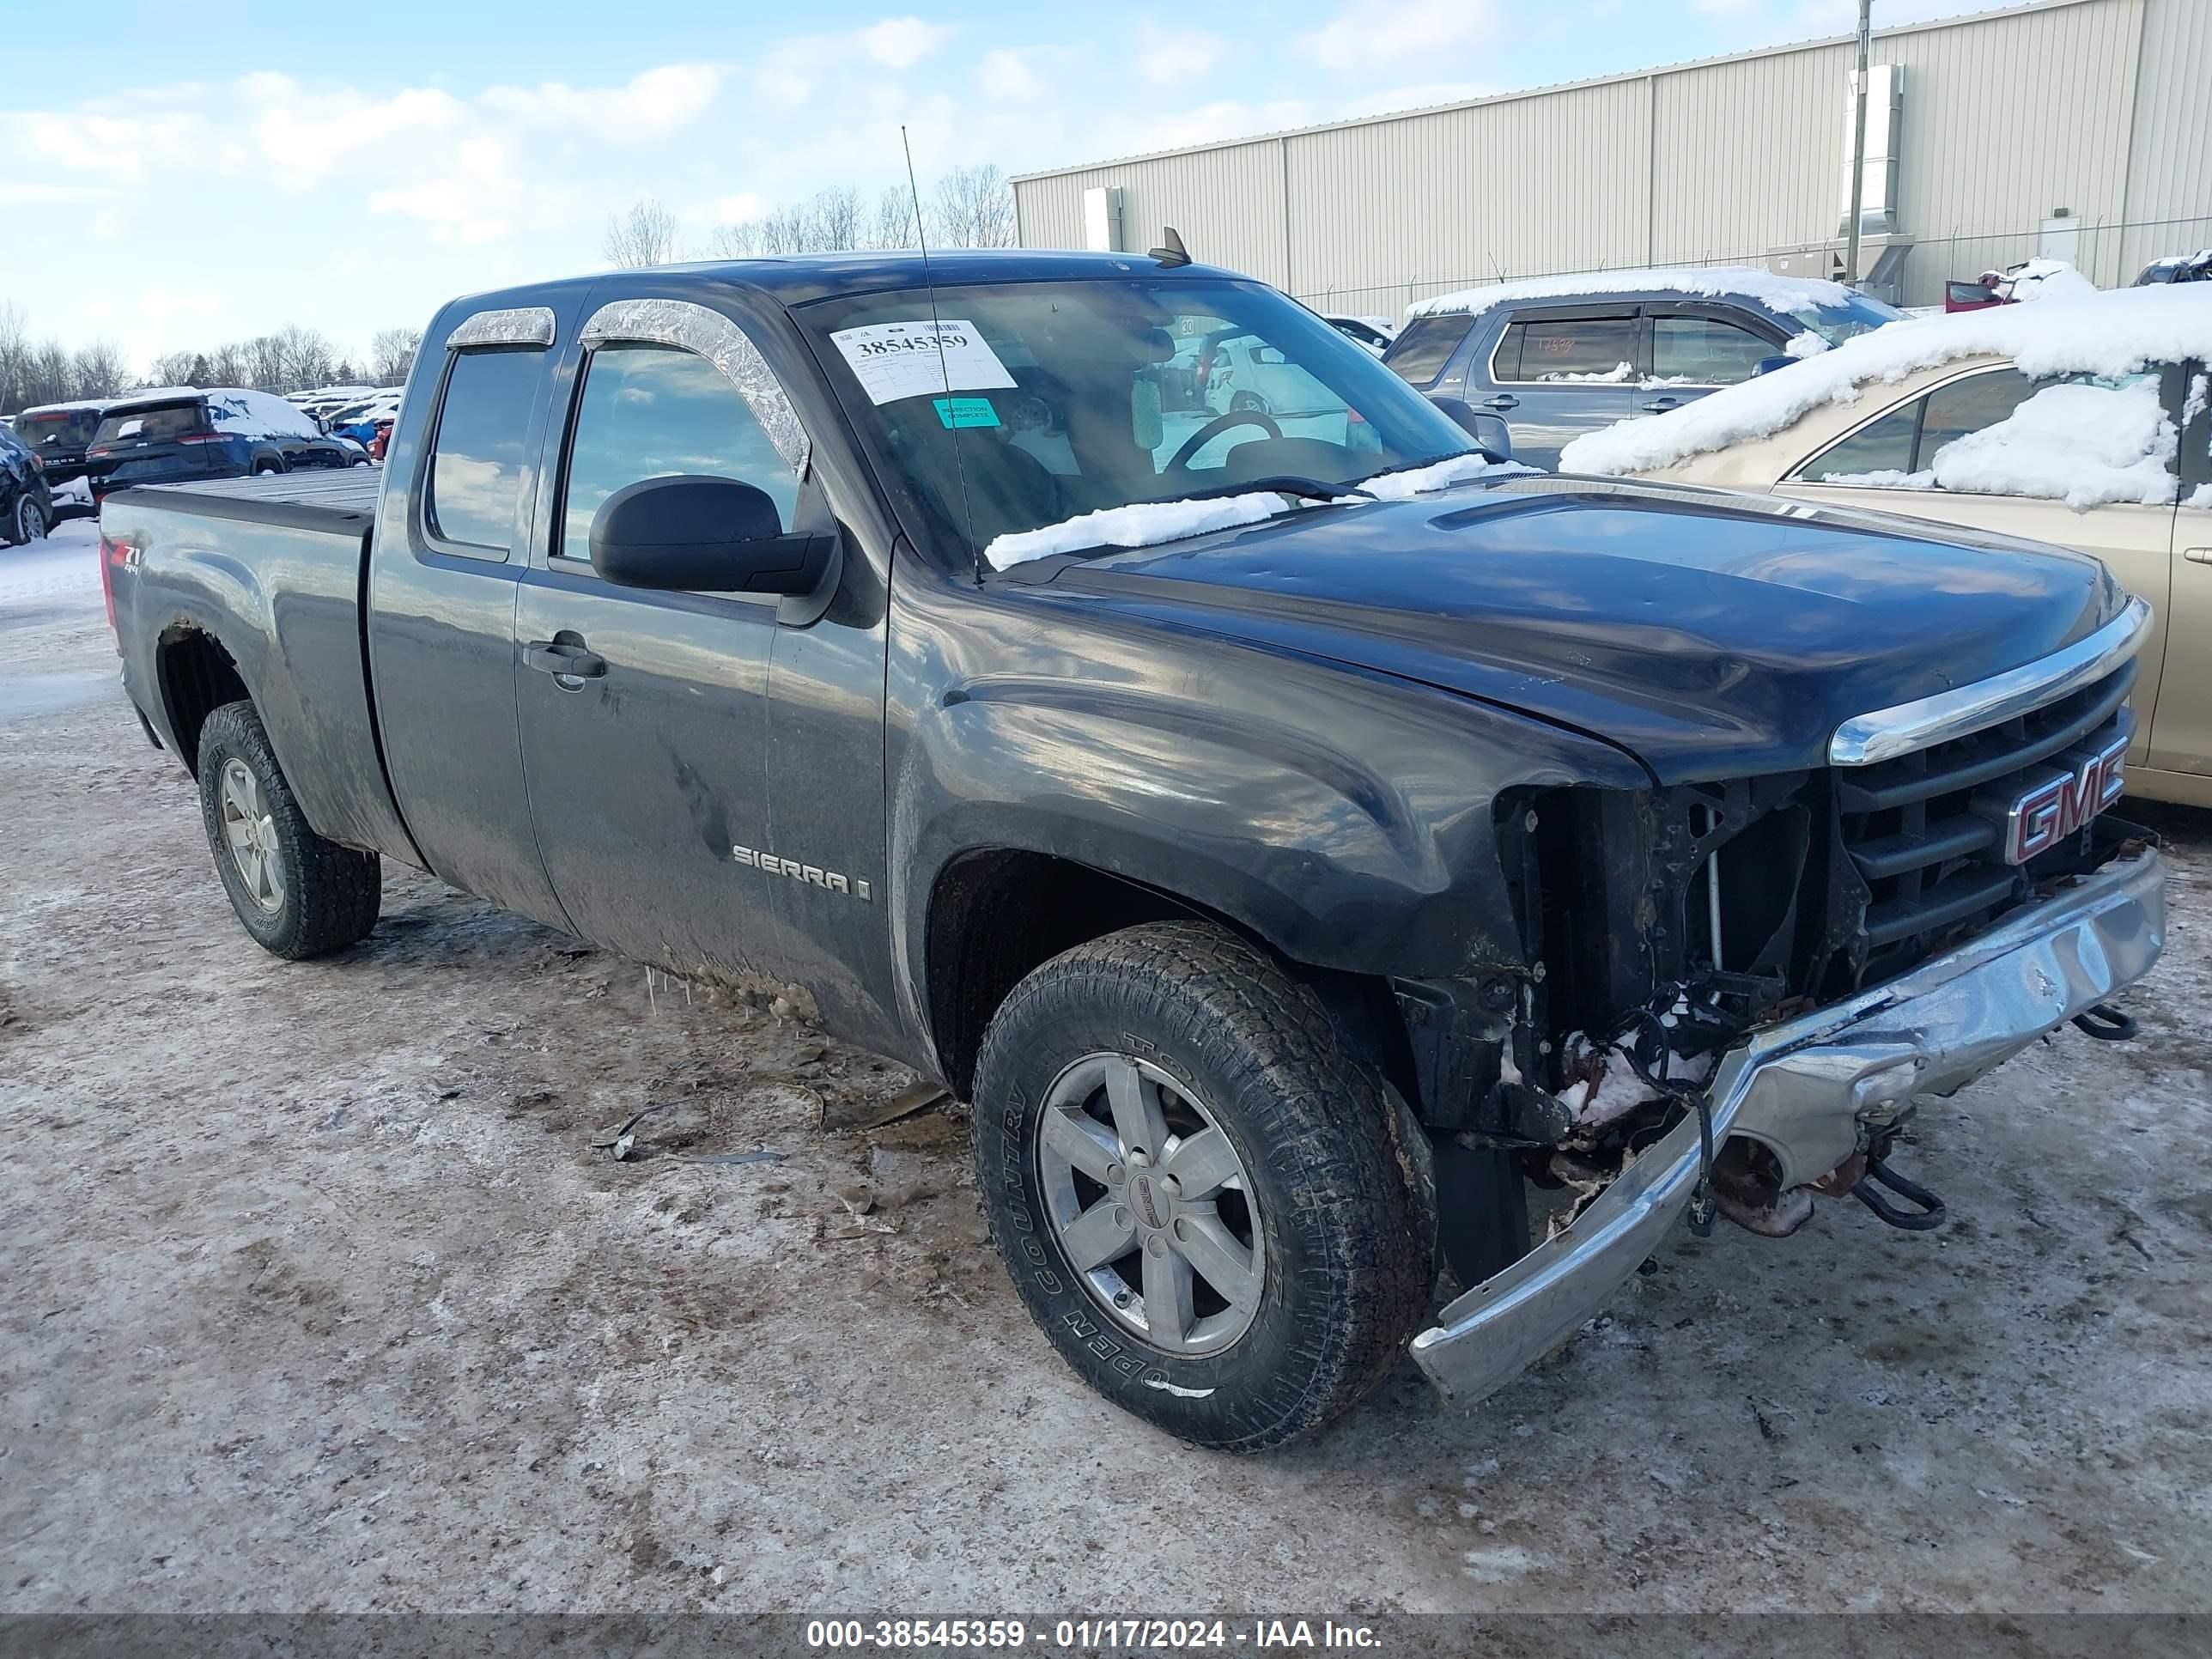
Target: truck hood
point(1712, 635)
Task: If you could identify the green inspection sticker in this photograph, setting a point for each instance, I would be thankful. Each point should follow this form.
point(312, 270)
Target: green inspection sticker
point(964, 411)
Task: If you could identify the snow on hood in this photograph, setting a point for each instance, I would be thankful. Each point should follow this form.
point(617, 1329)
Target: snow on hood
point(1140, 524)
point(2112, 334)
point(1781, 293)
point(1440, 475)
point(1148, 523)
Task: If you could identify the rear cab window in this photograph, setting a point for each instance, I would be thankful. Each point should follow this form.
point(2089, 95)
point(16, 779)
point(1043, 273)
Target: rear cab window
point(477, 457)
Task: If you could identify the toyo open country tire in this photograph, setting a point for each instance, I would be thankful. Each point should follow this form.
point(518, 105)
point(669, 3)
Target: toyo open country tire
point(1270, 1231)
point(298, 895)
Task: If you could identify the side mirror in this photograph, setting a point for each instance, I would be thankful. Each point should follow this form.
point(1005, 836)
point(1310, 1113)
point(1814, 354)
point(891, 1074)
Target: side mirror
point(706, 535)
point(1488, 430)
point(1768, 365)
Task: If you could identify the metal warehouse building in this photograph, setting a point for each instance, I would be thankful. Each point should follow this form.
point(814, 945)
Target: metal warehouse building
point(2079, 129)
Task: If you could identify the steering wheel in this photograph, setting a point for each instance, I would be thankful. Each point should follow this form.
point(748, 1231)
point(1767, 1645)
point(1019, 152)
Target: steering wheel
point(1214, 428)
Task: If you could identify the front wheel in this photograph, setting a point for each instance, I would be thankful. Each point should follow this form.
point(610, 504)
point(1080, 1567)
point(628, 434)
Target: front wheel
point(28, 522)
point(1195, 1187)
point(297, 894)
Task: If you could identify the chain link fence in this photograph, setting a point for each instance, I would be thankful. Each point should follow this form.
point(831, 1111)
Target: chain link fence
point(2111, 254)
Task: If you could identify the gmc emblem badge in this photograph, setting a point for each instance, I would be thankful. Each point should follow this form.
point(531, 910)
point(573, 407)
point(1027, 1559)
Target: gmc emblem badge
point(2058, 799)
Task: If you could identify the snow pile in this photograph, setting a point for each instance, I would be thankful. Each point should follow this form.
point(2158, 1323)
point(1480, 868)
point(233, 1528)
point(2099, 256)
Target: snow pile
point(2084, 445)
point(2110, 334)
point(1612, 376)
point(1140, 524)
point(1807, 344)
point(2049, 279)
point(2200, 397)
point(1783, 294)
point(1439, 474)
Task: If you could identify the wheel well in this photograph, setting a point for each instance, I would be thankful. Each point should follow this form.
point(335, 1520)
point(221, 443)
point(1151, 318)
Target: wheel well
point(997, 916)
point(196, 677)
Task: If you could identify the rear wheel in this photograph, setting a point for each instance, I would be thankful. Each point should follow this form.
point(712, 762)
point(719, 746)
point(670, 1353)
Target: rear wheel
point(1195, 1187)
point(297, 894)
point(267, 464)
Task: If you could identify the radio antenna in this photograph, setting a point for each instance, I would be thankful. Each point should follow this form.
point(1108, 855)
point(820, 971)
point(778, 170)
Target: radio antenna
point(937, 334)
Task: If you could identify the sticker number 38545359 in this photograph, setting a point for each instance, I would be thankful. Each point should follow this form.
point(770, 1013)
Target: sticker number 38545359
point(919, 359)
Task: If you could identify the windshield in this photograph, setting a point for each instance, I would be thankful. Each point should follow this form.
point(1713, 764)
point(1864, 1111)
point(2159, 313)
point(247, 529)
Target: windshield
point(1860, 314)
point(1056, 399)
point(153, 423)
point(58, 429)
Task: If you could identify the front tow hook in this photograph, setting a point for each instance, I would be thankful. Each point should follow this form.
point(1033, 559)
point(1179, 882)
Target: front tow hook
point(1928, 1217)
point(2106, 1023)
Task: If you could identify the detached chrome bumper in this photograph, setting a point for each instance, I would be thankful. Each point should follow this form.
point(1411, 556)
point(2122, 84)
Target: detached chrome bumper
point(1803, 1088)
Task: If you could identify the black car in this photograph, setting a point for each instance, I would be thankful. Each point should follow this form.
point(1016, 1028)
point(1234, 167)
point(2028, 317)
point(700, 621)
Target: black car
point(2178, 268)
point(27, 505)
point(60, 433)
point(223, 432)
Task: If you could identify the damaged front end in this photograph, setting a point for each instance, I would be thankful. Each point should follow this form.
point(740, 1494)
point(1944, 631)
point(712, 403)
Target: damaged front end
point(1736, 990)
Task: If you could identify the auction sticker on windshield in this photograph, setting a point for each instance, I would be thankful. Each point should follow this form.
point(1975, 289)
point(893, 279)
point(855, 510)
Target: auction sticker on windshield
point(893, 361)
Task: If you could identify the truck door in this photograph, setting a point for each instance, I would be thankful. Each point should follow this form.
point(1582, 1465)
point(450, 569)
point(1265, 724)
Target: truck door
point(645, 718)
point(451, 541)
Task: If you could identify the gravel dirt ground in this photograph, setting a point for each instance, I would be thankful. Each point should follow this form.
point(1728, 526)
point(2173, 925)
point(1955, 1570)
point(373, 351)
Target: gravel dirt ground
point(319, 1298)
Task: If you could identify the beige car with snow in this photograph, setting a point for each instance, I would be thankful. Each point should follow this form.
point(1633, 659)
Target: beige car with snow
point(2082, 422)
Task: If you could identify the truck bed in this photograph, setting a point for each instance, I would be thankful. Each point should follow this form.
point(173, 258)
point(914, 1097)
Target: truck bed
point(270, 569)
point(341, 503)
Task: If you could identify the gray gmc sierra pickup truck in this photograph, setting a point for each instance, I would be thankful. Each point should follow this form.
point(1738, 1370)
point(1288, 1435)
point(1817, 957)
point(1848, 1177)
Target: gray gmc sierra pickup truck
point(1299, 835)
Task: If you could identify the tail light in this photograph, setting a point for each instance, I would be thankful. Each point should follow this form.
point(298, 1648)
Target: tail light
point(114, 552)
point(199, 437)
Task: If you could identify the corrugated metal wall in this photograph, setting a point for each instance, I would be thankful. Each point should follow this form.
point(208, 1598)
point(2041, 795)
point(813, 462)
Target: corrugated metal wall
point(2169, 198)
point(1228, 201)
point(2097, 106)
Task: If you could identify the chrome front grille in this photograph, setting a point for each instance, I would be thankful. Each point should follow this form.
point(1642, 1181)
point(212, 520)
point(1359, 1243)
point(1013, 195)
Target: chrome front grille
point(1925, 832)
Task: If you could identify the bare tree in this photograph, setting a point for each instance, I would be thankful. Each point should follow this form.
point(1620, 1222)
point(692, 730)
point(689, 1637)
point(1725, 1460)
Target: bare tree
point(391, 354)
point(834, 219)
point(14, 356)
point(975, 208)
point(263, 361)
point(893, 225)
point(99, 370)
point(646, 235)
point(304, 359)
point(178, 367)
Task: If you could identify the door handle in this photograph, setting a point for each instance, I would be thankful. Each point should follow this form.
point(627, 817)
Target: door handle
point(565, 660)
point(1502, 401)
point(1661, 406)
point(2197, 554)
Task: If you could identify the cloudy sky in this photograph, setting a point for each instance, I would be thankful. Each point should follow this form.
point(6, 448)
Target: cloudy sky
point(214, 171)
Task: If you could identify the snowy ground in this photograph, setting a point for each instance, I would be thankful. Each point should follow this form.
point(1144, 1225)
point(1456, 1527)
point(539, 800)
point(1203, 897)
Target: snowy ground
point(319, 1297)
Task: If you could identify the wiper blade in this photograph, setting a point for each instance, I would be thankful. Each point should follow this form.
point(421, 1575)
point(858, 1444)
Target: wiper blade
point(1435, 460)
point(1275, 483)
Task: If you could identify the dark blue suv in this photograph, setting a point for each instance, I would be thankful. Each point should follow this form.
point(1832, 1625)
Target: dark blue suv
point(224, 432)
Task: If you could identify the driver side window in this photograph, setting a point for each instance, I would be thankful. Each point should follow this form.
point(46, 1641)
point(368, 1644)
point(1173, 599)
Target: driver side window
point(652, 411)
